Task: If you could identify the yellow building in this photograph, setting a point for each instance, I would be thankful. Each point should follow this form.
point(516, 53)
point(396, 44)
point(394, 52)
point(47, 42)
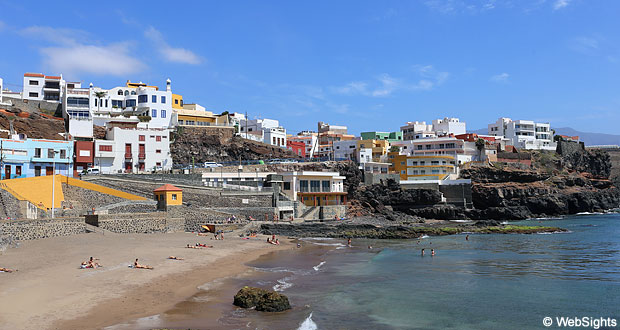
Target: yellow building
point(168, 195)
point(421, 167)
point(177, 101)
point(376, 148)
point(196, 115)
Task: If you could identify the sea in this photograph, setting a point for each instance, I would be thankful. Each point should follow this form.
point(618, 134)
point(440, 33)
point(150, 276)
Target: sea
point(488, 281)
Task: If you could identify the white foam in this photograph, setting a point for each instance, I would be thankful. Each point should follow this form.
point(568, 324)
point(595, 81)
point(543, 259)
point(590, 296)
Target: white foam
point(589, 213)
point(317, 238)
point(317, 267)
point(282, 284)
point(329, 244)
point(460, 220)
point(424, 236)
point(308, 324)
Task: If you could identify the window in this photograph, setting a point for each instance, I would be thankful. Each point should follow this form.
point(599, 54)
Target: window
point(33, 83)
point(315, 186)
point(105, 148)
point(428, 147)
point(303, 185)
point(158, 164)
point(174, 197)
point(143, 98)
point(287, 186)
point(154, 99)
point(163, 99)
point(158, 151)
point(126, 93)
point(133, 92)
point(434, 162)
point(158, 138)
point(141, 137)
point(163, 113)
point(120, 92)
point(154, 113)
point(130, 103)
point(78, 102)
point(63, 153)
point(402, 172)
point(106, 103)
point(175, 101)
point(420, 147)
point(402, 163)
point(32, 94)
point(37, 152)
point(50, 153)
point(325, 186)
point(18, 170)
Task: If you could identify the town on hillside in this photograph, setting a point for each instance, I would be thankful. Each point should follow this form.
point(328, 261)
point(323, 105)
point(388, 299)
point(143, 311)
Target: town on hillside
point(128, 140)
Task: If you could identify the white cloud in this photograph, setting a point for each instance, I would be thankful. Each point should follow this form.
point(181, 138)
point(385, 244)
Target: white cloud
point(169, 53)
point(500, 78)
point(114, 60)
point(71, 52)
point(586, 45)
point(559, 4)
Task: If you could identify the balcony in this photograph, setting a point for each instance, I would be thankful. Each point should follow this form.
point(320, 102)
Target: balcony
point(142, 156)
point(128, 155)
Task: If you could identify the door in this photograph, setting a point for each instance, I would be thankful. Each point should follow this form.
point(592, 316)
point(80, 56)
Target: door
point(127, 167)
point(37, 171)
point(49, 170)
point(18, 171)
point(7, 171)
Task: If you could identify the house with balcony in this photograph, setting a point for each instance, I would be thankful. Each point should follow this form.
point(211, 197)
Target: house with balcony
point(193, 115)
point(40, 87)
point(313, 188)
point(77, 111)
point(24, 157)
point(309, 139)
point(422, 167)
point(133, 150)
point(524, 134)
point(269, 130)
point(463, 151)
point(388, 136)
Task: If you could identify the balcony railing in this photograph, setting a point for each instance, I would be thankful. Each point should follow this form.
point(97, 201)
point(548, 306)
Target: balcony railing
point(141, 155)
point(128, 155)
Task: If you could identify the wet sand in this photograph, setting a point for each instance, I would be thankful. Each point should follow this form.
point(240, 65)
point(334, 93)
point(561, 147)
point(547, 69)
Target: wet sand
point(50, 291)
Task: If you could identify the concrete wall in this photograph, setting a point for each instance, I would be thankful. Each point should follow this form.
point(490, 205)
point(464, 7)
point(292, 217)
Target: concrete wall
point(155, 222)
point(377, 178)
point(43, 228)
point(328, 212)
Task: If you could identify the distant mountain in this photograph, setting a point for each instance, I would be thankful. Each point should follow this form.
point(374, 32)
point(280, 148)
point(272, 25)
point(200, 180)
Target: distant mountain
point(590, 139)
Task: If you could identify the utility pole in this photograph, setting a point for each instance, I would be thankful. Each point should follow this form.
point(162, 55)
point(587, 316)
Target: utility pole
point(53, 179)
point(246, 125)
point(1, 158)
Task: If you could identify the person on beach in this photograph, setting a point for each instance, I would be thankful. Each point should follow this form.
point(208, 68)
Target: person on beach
point(432, 252)
point(175, 258)
point(349, 242)
point(336, 217)
point(91, 263)
point(137, 265)
point(277, 242)
point(268, 239)
point(221, 236)
point(369, 247)
point(423, 252)
point(298, 245)
point(7, 270)
point(192, 247)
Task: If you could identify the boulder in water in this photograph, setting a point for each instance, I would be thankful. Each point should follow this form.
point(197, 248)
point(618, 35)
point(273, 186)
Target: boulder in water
point(263, 300)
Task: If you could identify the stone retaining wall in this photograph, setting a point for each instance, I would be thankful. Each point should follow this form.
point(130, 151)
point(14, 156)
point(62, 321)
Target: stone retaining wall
point(154, 222)
point(42, 228)
point(328, 212)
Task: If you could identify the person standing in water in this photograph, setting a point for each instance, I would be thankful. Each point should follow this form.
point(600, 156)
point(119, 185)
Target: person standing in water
point(432, 252)
point(467, 237)
point(423, 252)
point(349, 242)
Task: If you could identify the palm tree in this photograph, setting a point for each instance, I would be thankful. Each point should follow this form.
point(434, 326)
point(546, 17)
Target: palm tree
point(99, 95)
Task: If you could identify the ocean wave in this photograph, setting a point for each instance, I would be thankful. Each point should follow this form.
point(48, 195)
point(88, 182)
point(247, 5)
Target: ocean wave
point(330, 244)
point(275, 270)
point(316, 238)
point(308, 324)
point(424, 236)
point(283, 284)
point(317, 267)
point(589, 213)
point(460, 221)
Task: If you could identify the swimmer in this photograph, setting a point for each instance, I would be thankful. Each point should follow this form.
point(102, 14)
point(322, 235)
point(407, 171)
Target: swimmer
point(467, 238)
point(432, 252)
point(423, 252)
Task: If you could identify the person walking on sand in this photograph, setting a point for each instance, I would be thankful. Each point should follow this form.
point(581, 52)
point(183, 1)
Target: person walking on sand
point(423, 252)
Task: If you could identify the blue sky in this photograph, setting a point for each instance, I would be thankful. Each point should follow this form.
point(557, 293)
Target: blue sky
point(371, 65)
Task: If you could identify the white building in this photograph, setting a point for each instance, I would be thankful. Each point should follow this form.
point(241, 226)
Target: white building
point(150, 105)
point(524, 134)
point(420, 130)
point(2, 93)
point(311, 141)
point(39, 87)
point(448, 126)
point(129, 150)
point(313, 188)
point(268, 129)
point(463, 151)
point(346, 150)
point(76, 110)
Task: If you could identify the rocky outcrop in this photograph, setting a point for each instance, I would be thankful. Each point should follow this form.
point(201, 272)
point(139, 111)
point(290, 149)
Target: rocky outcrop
point(575, 158)
point(218, 144)
point(495, 175)
point(262, 300)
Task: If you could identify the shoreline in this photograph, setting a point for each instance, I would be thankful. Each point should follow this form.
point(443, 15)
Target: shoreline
point(50, 292)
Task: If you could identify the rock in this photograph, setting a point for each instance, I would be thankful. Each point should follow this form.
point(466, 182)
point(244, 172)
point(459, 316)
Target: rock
point(263, 300)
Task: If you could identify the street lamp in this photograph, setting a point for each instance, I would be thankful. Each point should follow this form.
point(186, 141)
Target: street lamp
point(54, 152)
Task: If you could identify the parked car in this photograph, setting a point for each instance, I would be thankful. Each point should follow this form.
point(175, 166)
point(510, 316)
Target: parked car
point(212, 165)
point(92, 171)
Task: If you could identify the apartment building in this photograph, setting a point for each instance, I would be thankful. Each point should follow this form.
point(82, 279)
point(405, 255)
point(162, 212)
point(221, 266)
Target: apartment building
point(133, 150)
point(327, 135)
point(269, 130)
point(299, 148)
point(388, 136)
point(309, 139)
point(422, 167)
point(524, 134)
point(439, 127)
point(77, 111)
point(2, 93)
point(314, 188)
point(40, 87)
point(24, 157)
point(196, 115)
point(463, 151)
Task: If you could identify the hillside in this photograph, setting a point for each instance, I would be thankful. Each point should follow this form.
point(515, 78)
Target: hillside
point(34, 125)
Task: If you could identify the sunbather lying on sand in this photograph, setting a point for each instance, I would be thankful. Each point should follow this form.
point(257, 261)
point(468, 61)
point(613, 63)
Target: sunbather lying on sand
point(175, 258)
point(137, 265)
point(203, 245)
point(7, 270)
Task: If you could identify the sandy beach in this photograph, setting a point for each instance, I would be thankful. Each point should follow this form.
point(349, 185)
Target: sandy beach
point(50, 291)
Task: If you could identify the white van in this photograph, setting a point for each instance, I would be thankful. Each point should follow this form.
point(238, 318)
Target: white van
point(212, 165)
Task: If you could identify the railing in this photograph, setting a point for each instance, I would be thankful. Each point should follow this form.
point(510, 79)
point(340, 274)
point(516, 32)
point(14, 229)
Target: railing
point(128, 155)
point(141, 156)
